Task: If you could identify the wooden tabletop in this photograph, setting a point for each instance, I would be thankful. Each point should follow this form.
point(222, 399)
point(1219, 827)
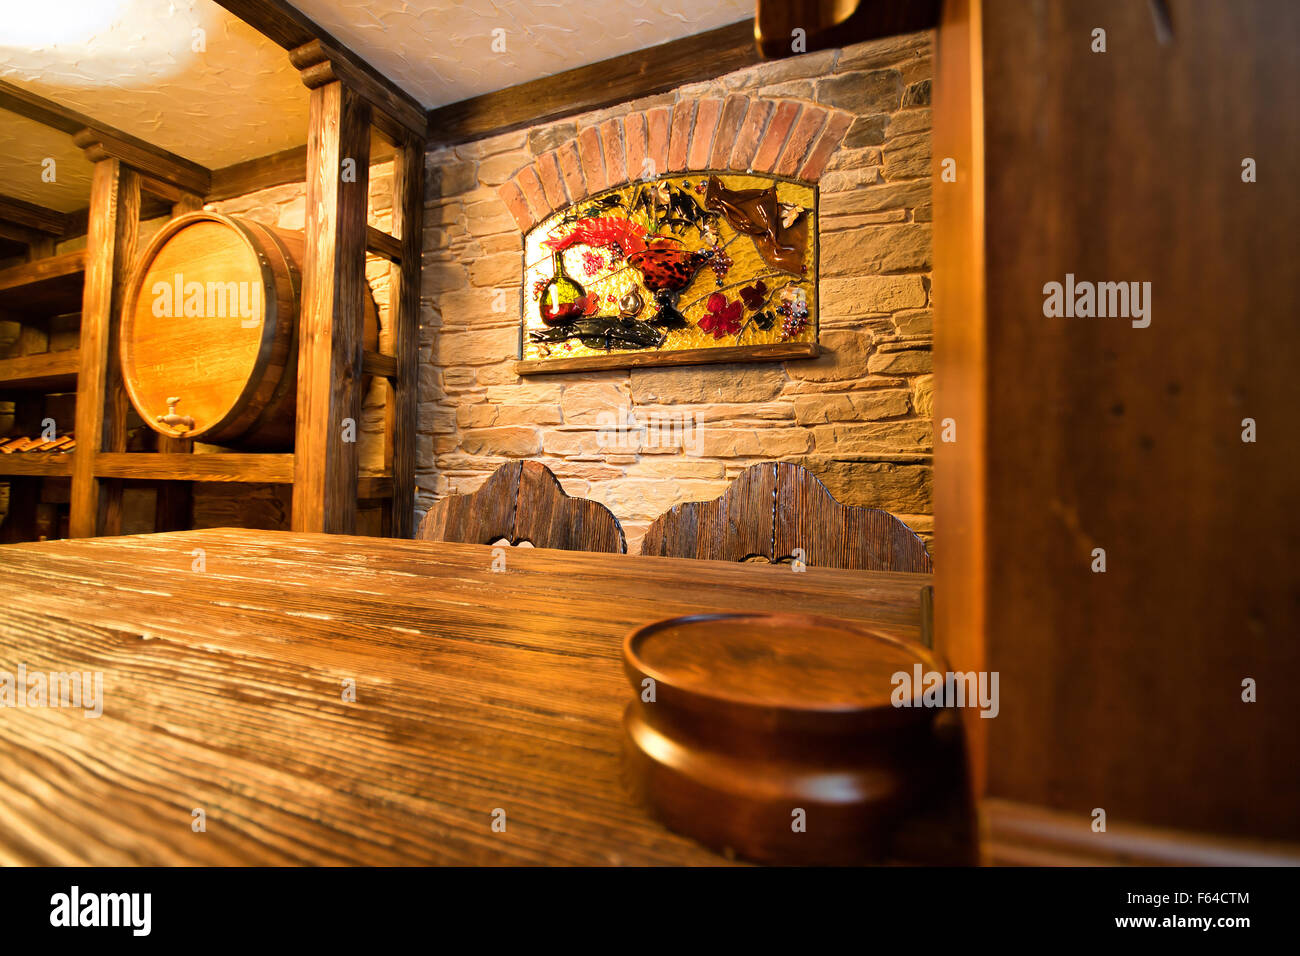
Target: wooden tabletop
point(476, 691)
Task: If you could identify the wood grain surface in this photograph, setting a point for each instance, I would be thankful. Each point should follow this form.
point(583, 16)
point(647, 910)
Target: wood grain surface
point(775, 508)
point(523, 501)
point(475, 691)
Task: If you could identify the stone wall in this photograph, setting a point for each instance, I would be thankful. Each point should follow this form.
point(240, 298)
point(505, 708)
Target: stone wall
point(858, 416)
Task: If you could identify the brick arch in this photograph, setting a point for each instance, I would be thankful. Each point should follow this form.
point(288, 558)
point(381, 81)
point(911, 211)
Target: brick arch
point(738, 134)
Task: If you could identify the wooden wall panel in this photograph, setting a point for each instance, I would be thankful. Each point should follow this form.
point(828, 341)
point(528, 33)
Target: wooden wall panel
point(1122, 690)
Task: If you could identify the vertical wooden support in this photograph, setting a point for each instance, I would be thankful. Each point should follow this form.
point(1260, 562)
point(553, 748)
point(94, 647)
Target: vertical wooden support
point(111, 236)
point(330, 330)
point(408, 209)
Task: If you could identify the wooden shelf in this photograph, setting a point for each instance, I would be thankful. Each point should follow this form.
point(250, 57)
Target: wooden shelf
point(44, 464)
point(232, 466)
point(779, 352)
point(48, 371)
point(52, 285)
point(275, 468)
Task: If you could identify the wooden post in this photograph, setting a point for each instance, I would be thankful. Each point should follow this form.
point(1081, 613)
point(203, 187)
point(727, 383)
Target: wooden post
point(330, 331)
point(408, 209)
point(111, 235)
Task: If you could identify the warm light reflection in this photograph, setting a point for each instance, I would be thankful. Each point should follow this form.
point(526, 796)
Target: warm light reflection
point(99, 42)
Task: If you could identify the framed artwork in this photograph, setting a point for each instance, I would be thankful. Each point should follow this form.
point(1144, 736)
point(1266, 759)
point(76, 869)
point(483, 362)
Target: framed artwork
point(683, 269)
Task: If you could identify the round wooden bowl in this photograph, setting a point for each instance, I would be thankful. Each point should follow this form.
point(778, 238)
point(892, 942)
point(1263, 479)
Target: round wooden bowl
point(762, 722)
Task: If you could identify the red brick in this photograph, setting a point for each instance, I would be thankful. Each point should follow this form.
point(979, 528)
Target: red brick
point(657, 122)
point(827, 143)
point(706, 121)
point(801, 137)
point(548, 170)
point(724, 140)
point(593, 159)
point(751, 133)
point(514, 199)
point(611, 138)
point(531, 186)
point(634, 143)
point(679, 140)
point(770, 146)
point(571, 167)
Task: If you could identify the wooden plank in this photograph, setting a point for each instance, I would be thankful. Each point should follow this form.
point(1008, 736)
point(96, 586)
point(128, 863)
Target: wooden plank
point(1127, 683)
point(51, 371)
point(48, 464)
point(394, 113)
point(281, 23)
point(32, 216)
point(42, 270)
point(655, 69)
point(163, 173)
point(376, 363)
point(827, 26)
point(383, 245)
point(330, 333)
point(780, 352)
point(234, 702)
point(277, 169)
point(223, 466)
point(1017, 834)
point(401, 416)
point(101, 399)
point(174, 507)
point(960, 358)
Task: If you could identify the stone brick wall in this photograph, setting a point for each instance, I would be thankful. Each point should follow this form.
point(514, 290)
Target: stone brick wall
point(858, 416)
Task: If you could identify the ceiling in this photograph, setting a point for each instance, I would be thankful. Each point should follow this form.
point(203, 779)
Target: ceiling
point(132, 64)
point(440, 51)
point(25, 145)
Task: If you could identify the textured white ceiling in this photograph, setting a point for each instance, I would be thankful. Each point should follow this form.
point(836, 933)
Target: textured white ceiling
point(132, 64)
point(441, 51)
point(24, 146)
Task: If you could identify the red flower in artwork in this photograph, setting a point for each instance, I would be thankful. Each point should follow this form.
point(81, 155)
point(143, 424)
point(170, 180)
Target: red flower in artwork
point(754, 295)
point(723, 317)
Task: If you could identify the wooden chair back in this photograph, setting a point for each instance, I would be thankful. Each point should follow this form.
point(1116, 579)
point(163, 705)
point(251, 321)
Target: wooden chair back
point(774, 508)
point(522, 501)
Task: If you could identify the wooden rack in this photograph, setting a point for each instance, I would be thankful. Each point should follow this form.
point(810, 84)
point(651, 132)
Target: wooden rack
point(323, 470)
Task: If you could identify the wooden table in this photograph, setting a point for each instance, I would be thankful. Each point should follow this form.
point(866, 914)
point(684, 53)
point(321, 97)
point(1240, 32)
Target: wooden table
point(476, 691)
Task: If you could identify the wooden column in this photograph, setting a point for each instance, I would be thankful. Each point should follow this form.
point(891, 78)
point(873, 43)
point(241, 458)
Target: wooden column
point(330, 331)
point(408, 209)
point(111, 236)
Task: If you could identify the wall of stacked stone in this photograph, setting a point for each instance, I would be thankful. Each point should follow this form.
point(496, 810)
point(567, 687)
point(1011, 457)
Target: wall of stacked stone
point(859, 416)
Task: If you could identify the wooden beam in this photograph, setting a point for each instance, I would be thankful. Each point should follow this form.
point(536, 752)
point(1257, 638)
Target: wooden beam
point(31, 216)
point(281, 23)
point(383, 245)
point(827, 26)
point(376, 363)
point(46, 464)
point(960, 357)
point(277, 169)
point(616, 80)
point(330, 330)
point(143, 156)
point(401, 418)
point(395, 116)
point(44, 370)
point(101, 399)
point(163, 174)
point(176, 465)
point(777, 352)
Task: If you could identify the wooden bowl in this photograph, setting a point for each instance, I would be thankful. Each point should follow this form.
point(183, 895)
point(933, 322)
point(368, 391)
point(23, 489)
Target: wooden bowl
point(759, 720)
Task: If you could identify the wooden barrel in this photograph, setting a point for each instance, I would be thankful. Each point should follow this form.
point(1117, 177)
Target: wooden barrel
point(209, 334)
